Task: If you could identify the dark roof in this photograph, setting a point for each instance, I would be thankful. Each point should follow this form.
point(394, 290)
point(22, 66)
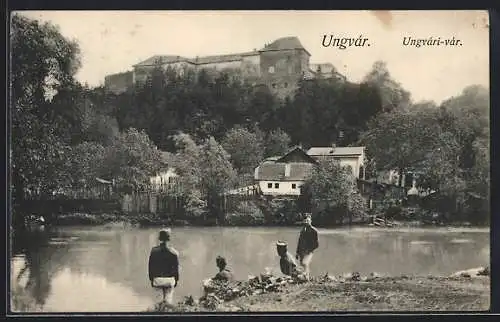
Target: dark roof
point(350, 150)
point(169, 59)
point(293, 150)
point(163, 59)
point(276, 171)
point(222, 58)
point(284, 44)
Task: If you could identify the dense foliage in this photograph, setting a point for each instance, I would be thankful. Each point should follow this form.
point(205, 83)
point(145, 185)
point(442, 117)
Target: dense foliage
point(333, 192)
point(216, 127)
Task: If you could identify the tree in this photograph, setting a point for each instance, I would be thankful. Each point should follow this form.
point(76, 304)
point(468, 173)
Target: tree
point(391, 92)
point(245, 149)
point(187, 163)
point(334, 193)
point(86, 163)
point(218, 175)
point(401, 139)
point(131, 159)
point(277, 143)
point(43, 66)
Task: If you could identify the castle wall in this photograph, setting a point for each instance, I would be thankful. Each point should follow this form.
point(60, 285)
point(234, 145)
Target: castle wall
point(221, 65)
point(279, 70)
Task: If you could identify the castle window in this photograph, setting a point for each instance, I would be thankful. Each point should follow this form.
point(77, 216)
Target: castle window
point(271, 70)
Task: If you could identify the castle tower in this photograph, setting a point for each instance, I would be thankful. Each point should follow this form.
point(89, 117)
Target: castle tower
point(282, 64)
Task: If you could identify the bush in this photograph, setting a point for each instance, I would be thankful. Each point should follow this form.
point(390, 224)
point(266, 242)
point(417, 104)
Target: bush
point(284, 211)
point(247, 213)
point(394, 212)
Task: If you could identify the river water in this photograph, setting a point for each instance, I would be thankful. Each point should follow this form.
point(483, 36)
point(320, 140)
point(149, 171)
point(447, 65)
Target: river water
point(82, 269)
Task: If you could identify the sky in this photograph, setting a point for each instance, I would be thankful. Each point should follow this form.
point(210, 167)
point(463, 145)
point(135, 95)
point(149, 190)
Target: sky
point(113, 41)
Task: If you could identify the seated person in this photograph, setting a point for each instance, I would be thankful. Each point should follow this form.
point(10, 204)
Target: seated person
point(288, 265)
point(224, 273)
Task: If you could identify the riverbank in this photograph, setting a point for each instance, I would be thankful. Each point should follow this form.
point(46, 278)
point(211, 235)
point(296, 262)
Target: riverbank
point(462, 292)
point(157, 220)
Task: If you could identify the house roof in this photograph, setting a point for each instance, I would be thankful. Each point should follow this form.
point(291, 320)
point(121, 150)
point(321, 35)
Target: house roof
point(284, 44)
point(322, 151)
point(276, 171)
point(285, 157)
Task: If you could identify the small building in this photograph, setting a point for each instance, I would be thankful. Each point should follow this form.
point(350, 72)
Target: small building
point(353, 157)
point(283, 176)
point(164, 180)
point(167, 177)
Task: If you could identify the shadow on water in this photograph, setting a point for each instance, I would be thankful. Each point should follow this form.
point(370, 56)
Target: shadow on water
point(32, 274)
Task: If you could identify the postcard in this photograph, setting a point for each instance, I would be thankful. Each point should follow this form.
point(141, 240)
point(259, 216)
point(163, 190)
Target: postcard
point(249, 161)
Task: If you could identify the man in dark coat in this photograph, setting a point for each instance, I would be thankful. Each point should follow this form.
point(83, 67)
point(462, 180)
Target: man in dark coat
point(308, 243)
point(164, 266)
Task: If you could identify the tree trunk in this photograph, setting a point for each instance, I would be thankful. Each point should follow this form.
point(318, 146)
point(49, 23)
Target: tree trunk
point(400, 183)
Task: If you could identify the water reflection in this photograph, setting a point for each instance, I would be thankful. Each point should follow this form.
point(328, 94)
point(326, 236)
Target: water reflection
point(77, 269)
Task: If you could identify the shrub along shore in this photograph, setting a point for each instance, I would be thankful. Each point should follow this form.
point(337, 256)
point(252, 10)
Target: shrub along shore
point(157, 220)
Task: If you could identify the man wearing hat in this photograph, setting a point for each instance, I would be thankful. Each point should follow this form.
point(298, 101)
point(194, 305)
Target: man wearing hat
point(308, 242)
point(164, 266)
point(288, 265)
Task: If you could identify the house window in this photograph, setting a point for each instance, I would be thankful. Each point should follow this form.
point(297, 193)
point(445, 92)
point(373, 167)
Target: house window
point(274, 85)
point(169, 179)
point(294, 186)
point(269, 185)
point(276, 185)
point(271, 70)
point(286, 85)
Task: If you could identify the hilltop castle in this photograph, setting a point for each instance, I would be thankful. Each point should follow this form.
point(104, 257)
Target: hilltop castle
point(279, 66)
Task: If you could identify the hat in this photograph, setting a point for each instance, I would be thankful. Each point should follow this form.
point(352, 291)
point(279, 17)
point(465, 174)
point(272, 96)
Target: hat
point(164, 234)
point(281, 243)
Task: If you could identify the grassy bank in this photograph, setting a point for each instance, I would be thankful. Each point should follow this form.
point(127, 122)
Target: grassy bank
point(373, 294)
point(157, 220)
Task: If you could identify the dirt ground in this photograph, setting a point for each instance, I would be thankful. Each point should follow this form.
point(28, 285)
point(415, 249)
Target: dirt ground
point(431, 294)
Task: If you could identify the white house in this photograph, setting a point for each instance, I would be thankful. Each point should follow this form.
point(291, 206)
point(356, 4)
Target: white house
point(353, 156)
point(283, 176)
point(164, 179)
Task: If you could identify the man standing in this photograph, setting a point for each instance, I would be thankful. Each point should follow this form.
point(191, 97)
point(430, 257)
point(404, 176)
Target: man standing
point(164, 266)
point(308, 242)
